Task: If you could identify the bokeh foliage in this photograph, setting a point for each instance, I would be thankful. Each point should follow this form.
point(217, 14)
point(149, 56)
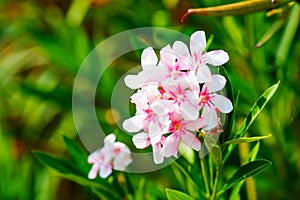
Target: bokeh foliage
point(42, 44)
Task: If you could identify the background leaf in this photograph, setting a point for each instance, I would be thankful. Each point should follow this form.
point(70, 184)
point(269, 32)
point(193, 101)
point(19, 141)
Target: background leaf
point(246, 139)
point(177, 195)
point(250, 169)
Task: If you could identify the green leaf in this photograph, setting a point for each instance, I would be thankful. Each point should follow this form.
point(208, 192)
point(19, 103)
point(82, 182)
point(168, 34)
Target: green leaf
point(288, 35)
point(186, 178)
point(246, 139)
point(272, 30)
point(77, 12)
point(77, 154)
point(236, 189)
point(217, 155)
point(254, 112)
point(230, 93)
point(256, 109)
point(70, 171)
point(253, 152)
point(250, 169)
point(177, 195)
point(60, 165)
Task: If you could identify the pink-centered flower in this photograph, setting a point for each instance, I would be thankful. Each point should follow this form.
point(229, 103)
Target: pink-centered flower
point(151, 71)
point(181, 130)
point(113, 155)
point(213, 102)
point(151, 113)
point(171, 95)
point(197, 58)
point(185, 92)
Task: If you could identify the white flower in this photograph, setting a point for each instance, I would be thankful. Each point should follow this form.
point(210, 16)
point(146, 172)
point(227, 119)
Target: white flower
point(197, 58)
point(212, 102)
point(114, 155)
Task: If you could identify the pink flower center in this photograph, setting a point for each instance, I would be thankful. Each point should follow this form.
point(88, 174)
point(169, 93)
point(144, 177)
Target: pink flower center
point(117, 150)
point(205, 98)
point(176, 126)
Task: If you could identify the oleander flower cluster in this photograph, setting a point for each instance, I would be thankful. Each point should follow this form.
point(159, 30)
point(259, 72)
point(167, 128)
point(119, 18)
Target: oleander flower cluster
point(113, 155)
point(176, 96)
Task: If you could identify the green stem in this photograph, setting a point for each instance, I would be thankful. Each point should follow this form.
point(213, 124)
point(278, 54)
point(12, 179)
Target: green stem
point(211, 172)
point(204, 173)
point(215, 188)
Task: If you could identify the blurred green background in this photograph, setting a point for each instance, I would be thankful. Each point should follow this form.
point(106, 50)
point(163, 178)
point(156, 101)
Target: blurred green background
point(42, 44)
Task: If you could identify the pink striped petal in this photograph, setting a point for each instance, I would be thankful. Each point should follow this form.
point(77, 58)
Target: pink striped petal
point(197, 43)
point(191, 140)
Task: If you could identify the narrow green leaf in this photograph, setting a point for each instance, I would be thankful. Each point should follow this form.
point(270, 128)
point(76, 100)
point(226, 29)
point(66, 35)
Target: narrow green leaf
point(288, 35)
point(77, 154)
point(255, 110)
point(250, 169)
point(246, 139)
point(209, 41)
point(177, 195)
point(186, 177)
point(230, 93)
point(272, 30)
point(237, 187)
point(253, 152)
point(60, 165)
point(77, 12)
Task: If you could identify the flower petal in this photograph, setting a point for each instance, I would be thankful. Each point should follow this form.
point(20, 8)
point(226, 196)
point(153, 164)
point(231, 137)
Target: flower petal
point(122, 160)
point(111, 138)
point(191, 140)
point(135, 81)
point(170, 146)
point(189, 111)
point(203, 74)
point(94, 171)
point(180, 49)
point(193, 97)
point(216, 84)
point(155, 131)
point(141, 140)
point(161, 107)
point(167, 56)
point(149, 58)
point(195, 125)
point(197, 43)
point(211, 118)
point(105, 170)
point(222, 103)
point(216, 58)
point(134, 124)
point(157, 157)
